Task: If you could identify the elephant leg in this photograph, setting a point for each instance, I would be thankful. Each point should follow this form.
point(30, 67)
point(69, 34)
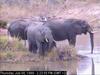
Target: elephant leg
point(53, 44)
point(32, 47)
point(39, 48)
point(72, 40)
point(25, 42)
point(44, 48)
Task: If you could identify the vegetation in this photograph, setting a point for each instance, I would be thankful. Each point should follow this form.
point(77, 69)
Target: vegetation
point(11, 49)
point(16, 50)
point(3, 24)
point(81, 9)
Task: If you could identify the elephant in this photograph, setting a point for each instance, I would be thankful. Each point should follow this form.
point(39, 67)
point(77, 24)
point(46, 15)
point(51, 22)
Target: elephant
point(69, 29)
point(17, 27)
point(40, 39)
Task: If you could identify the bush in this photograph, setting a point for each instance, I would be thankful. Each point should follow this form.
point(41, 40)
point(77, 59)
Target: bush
point(3, 24)
point(10, 45)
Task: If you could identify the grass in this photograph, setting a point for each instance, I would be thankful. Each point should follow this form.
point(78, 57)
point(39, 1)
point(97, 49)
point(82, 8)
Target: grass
point(16, 50)
point(10, 45)
point(11, 49)
point(17, 57)
point(3, 24)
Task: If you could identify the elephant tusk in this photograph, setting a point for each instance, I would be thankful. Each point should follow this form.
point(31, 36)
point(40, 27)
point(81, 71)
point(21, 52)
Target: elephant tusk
point(45, 19)
point(46, 40)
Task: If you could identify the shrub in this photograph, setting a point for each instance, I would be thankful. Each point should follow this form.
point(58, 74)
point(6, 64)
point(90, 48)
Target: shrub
point(3, 24)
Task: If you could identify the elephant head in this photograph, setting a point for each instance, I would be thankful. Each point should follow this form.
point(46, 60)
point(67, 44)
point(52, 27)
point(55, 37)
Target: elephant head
point(40, 39)
point(90, 30)
point(86, 28)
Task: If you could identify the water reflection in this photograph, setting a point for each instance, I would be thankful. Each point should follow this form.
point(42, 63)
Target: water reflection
point(84, 66)
point(93, 67)
point(70, 66)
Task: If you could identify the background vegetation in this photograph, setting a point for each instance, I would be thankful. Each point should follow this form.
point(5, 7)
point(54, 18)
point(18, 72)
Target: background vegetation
point(84, 9)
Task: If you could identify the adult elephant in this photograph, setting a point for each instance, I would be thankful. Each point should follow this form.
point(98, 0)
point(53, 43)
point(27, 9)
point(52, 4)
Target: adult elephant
point(40, 39)
point(69, 29)
point(16, 28)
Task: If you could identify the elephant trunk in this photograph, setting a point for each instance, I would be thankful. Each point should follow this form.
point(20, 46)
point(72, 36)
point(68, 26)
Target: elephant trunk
point(91, 39)
point(92, 42)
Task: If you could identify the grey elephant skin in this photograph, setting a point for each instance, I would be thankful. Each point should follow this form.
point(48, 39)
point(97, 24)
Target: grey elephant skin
point(17, 27)
point(69, 29)
point(40, 39)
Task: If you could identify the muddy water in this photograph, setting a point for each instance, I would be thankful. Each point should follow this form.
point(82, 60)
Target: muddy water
point(84, 48)
point(88, 65)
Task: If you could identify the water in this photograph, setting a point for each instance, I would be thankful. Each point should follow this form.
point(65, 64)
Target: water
point(84, 48)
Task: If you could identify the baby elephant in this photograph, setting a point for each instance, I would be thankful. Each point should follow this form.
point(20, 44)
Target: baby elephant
point(40, 39)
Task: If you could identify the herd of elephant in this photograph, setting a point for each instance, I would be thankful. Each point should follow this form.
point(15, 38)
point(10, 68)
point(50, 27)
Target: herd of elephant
point(43, 33)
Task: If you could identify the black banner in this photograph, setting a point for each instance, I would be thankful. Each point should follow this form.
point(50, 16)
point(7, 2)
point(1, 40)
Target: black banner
point(33, 73)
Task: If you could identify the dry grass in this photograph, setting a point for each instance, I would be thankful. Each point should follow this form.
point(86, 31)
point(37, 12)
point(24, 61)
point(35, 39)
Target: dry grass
point(19, 58)
point(11, 49)
point(10, 45)
point(16, 51)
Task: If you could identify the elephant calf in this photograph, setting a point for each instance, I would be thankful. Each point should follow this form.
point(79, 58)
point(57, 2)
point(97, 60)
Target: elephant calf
point(40, 39)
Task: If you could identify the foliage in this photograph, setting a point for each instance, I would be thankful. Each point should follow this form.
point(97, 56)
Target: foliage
point(10, 45)
point(3, 24)
point(10, 50)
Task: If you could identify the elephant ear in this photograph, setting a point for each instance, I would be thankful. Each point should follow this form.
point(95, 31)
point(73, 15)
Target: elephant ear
point(85, 27)
point(84, 24)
